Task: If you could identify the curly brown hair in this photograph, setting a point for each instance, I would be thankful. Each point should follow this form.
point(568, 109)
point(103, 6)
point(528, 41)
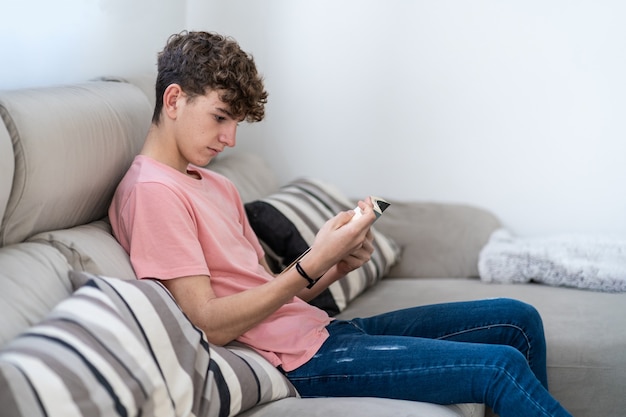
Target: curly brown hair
point(200, 62)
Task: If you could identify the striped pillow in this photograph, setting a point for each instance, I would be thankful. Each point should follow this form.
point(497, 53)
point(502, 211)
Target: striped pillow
point(286, 224)
point(125, 348)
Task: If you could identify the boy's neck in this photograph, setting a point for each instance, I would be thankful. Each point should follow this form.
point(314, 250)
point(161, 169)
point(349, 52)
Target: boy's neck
point(161, 147)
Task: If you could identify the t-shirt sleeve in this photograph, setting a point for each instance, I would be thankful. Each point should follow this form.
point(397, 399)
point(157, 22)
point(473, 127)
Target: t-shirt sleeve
point(161, 229)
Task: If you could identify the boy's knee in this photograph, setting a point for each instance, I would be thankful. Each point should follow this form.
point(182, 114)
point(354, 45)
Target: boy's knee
point(509, 361)
point(523, 312)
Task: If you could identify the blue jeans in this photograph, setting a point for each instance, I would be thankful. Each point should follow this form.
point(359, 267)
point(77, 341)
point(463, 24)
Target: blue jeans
point(489, 351)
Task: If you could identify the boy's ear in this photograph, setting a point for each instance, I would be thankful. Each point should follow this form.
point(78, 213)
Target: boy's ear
point(173, 93)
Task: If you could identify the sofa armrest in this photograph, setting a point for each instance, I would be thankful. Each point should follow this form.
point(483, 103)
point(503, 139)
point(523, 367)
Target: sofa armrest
point(437, 239)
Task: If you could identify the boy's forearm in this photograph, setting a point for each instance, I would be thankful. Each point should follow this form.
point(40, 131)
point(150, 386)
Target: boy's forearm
point(332, 275)
point(224, 319)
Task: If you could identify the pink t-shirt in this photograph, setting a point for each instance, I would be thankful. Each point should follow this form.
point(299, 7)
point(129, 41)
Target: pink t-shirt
point(173, 225)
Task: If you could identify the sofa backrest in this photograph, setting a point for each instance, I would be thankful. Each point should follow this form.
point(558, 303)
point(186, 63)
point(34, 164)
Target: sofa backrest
point(252, 176)
point(7, 166)
point(71, 146)
point(62, 152)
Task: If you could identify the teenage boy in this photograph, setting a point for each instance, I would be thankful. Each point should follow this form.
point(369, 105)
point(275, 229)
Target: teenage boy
point(186, 226)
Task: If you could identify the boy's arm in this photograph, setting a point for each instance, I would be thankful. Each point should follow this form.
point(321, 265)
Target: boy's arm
point(224, 319)
point(336, 272)
point(351, 262)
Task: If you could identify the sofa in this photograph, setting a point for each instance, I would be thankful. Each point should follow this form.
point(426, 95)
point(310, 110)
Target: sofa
point(80, 335)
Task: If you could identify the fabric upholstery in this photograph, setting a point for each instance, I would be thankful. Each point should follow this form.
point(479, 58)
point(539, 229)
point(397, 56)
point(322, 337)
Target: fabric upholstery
point(287, 221)
point(437, 239)
point(72, 144)
point(250, 173)
point(144, 81)
point(33, 279)
point(90, 248)
point(7, 165)
point(120, 347)
point(361, 407)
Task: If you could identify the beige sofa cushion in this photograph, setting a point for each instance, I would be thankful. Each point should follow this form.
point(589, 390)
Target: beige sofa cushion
point(250, 173)
point(90, 248)
point(34, 279)
point(437, 239)
point(7, 164)
point(72, 144)
point(361, 407)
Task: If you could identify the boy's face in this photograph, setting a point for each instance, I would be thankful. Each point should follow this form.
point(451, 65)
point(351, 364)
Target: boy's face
point(203, 127)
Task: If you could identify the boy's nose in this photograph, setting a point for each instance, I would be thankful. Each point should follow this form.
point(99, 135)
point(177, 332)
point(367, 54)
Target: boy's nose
point(229, 136)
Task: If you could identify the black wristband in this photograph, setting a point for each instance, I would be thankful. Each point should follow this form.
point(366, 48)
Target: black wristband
point(306, 276)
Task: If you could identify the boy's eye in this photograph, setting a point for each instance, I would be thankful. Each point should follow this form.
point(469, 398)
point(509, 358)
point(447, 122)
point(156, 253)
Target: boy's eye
point(220, 118)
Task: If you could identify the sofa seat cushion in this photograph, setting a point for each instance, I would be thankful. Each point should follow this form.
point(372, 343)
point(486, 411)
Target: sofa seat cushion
point(287, 221)
point(584, 332)
point(361, 407)
point(119, 347)
point(33, 280)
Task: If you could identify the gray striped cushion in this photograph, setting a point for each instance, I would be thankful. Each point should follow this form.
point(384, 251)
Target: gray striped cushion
point(125, 348)
point(286, 223)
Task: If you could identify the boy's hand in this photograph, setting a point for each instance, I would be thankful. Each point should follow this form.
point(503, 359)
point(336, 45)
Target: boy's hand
point(357, 258)
point(341, 239)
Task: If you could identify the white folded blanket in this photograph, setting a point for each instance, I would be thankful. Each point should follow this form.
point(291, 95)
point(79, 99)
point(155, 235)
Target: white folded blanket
point(581, 261)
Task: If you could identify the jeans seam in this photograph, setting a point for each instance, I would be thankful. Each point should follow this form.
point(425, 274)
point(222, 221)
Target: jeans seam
point(489, 326)
point(357, 326)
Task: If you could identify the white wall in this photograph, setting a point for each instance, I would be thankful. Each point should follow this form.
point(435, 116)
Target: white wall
point(518, 107)
point(46, 42)
point(513, 106)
